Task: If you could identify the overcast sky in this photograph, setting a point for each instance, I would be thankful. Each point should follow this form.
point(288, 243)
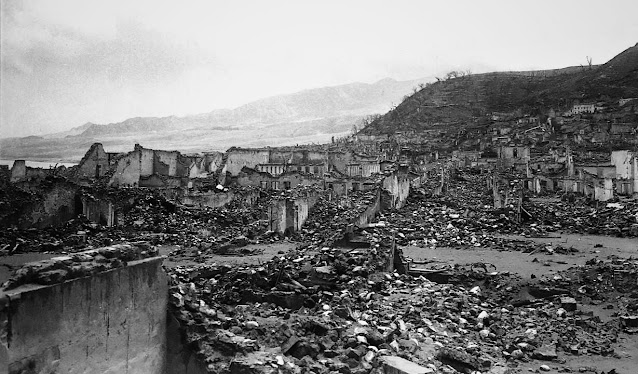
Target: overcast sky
point(65, 63)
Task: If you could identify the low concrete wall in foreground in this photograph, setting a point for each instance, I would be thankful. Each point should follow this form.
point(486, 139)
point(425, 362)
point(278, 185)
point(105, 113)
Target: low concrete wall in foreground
point(110, 322)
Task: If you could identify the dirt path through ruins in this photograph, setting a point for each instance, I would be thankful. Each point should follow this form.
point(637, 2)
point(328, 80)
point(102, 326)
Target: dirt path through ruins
point(526, 264)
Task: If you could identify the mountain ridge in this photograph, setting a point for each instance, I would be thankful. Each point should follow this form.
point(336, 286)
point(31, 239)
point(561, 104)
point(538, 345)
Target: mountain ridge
point(348, 99)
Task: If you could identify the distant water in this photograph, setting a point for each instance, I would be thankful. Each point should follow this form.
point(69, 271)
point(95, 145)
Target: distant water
point(39, 164)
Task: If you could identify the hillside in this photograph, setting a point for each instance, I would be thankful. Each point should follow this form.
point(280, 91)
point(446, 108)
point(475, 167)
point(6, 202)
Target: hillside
point(470, 99)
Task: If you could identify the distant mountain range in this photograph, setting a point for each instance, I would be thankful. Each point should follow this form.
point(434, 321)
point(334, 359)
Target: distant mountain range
point(355, 99)
point(313, 115)
point(468, 100)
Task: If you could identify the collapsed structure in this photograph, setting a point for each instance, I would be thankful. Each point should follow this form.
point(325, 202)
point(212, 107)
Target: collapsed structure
point(344, 297)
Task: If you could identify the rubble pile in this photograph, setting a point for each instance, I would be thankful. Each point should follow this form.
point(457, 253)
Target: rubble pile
point(465, 213)
point(330, 217)
point(612, 283)
point(582, 216)
point(12, 200)
point(327, 309)
point(333, 312)
point(144, 214)
point(429, 222)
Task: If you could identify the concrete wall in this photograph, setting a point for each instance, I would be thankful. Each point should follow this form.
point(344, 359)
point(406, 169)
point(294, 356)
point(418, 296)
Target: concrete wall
point(398, 186)
point(237, 158)
point(112, 322)
point(371, 211)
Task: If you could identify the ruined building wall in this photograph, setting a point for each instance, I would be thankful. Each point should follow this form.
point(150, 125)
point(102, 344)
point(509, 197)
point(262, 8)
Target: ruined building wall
point(623, 162)
point(398, 186)
point(279, 156)
point(339, 160)
point(210, 199)
point(297, 156)
point(196, 167)
point(370, 212)
point(290, 213)
point(165, 163)
point(213, 161)
point(94, 163)
point(253, 178)
point(127, 170)
point(99, 211)
point(303, 209)
point(370, 168)
point(513, 153)
point(209, 163)
point(238, 158)
point(146, 160)
point(112, 322)
point(277, 215)
point(18, 170)
point(604, 190)
point(58, 205)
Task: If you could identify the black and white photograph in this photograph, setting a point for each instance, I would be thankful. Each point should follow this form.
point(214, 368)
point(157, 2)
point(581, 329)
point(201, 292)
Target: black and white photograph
point(318, 186)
